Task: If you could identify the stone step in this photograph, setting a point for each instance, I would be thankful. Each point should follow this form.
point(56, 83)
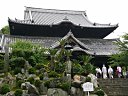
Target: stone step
point(114, 87)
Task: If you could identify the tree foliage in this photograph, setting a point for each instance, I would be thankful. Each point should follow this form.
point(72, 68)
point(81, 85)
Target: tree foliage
point(5, 30)
point(23, 51)
point(86, 67)
point(86, 59)
point(122, 57)
point(24, 45)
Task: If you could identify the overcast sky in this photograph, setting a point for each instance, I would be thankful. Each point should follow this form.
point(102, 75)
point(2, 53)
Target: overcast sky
point(99, 11)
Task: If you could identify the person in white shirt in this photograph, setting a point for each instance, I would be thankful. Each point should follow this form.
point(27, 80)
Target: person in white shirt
point(119, 70)
point(98, 72)
point(104, 71)
point(110, 72)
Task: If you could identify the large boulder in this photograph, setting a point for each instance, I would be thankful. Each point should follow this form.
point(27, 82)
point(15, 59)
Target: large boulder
point(93, 79)
point(43, 89)
point(56, 92)
point(11, 93)
point(32, 90)
point(76, 91)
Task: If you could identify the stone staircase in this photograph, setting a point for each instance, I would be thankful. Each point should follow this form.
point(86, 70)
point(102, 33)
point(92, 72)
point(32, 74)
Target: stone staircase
point(115, 86)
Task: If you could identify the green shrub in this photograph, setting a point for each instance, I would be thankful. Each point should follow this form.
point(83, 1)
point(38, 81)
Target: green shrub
point(17, 70)
point(18, 53)
point(18, 83)
point(100, 92)
point(5, 88)
point(32, 70)
point(37, 83)
point(41, 76)
point(18, 92)
point(1, 64)
point(77, 68)
point(59, 67)
point(39, 66)
point(47, 83)
point(65, 86)
point(53, 74)
point(28, 54)
point(17, 62)
point(88, 79)
point(32, 61)
point(88, 68)
point(31, 80)
point(76, 84)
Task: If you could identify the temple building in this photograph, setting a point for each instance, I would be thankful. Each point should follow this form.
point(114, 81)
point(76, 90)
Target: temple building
point(48, 26)
point(57, 23)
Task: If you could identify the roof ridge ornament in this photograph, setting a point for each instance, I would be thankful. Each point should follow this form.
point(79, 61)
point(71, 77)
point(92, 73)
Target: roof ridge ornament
point(85, 13)
point(30, 14)
point(94, 24)
point(65, 18)
point(70, 32)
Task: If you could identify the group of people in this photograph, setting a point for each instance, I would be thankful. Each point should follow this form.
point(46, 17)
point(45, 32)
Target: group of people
point(108, 73)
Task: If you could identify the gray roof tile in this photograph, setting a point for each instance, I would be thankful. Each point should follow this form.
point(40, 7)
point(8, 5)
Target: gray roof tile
point(90, 46)
point(101, 46)
point(53, 17)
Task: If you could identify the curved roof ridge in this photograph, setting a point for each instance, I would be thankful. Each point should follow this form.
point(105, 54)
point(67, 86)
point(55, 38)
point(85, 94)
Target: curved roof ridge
point(21, 21)
point(54, 10)
point(68, 35)
point(28, 37)
point(80, 49)
point(83, 14)
point(67, 21)
point(107, 24)
point(98, 24)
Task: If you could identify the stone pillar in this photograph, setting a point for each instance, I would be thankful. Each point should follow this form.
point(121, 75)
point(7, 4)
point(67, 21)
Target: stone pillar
point(6, 58)
point(68, 72)
point(68, 67)
point(27, 66)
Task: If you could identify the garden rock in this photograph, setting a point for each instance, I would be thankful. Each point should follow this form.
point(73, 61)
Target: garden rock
point(45, 76)
point(93, 79)
point(43, 89)
point(56, 92)
point(32, 90)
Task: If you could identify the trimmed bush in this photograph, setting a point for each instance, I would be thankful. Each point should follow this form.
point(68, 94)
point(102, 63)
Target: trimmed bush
point(47, 83)
point(88, 79)
point(41, 76)
point(39, 66)
point(53, 74)
point(76, 84)
point(32, 61)
point(18, 53)
point(31, 80)
point(37, 83)
point(100, 92)
point(32, 70)
point(17, 70)
point(65, 86)
point(18, 83)
point(18, 92)
point(17, 62)
point(5, 88)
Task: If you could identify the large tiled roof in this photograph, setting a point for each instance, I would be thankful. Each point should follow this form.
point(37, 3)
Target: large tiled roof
point(89, 46)
point(43, 41)
point(94, 46)
point(101, 46)
point(41, 16)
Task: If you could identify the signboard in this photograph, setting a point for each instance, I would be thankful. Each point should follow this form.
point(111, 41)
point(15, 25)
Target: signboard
point(88, 86)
